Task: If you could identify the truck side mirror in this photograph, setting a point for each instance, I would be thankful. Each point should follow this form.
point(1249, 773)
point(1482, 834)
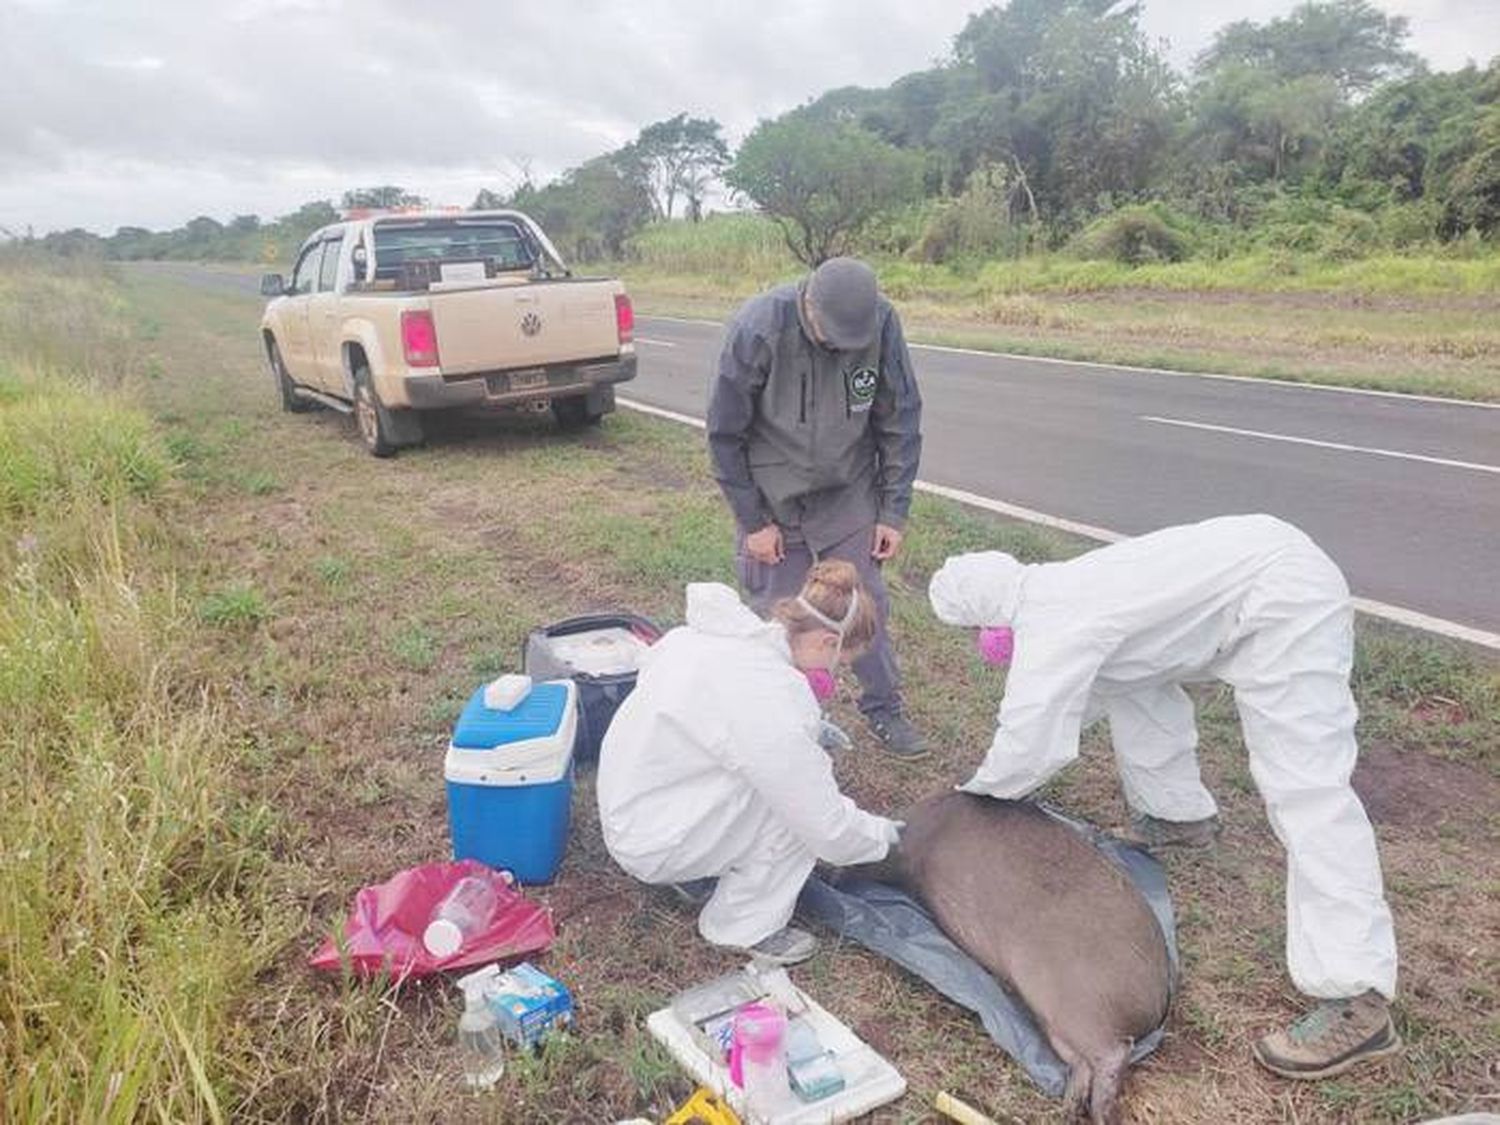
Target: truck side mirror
point(272, 285)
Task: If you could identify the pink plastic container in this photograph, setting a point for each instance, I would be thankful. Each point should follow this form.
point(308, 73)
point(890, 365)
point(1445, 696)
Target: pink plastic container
point(757, 1056)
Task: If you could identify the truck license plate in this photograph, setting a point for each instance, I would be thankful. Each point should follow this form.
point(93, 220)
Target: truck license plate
point(527, 380)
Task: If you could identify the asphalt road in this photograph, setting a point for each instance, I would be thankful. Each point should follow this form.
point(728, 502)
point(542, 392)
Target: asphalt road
point(1403, 492)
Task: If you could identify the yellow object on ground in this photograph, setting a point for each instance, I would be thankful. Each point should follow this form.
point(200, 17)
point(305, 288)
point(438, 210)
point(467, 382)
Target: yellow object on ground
point(949, 1106)
point(705, 1107)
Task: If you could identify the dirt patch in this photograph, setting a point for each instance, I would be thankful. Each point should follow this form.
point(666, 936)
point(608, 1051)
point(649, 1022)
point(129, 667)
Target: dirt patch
point(1415, 790)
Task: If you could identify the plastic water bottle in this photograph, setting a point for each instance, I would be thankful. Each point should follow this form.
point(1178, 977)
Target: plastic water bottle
point(481, 1044)
point(757, 1058)
point(461, 915)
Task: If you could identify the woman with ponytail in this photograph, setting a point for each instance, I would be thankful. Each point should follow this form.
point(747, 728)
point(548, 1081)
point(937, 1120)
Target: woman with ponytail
point(711, 769)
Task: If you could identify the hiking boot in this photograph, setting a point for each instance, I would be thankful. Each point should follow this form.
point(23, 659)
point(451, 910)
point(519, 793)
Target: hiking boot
point(787, 946)
point(1331, 1038)
point(1152, 832)
point(898, 737)
point(695, 892)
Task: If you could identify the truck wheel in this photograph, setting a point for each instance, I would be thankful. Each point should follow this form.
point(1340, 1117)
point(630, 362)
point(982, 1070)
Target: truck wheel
point(382, 431)
point(574, 413)
point(291, 401)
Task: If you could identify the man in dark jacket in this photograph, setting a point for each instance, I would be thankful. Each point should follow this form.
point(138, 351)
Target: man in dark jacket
point(814, 429)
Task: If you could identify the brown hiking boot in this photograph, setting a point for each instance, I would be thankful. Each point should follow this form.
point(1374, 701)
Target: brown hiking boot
point(1152, 832)
point(1331, 1038)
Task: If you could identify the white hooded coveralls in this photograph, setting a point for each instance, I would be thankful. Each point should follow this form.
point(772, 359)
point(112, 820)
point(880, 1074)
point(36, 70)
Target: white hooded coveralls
point(1115, 632)
point(711, 767)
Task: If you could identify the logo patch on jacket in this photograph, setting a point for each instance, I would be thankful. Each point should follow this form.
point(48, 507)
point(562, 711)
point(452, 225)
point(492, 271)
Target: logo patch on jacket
point(860, 386)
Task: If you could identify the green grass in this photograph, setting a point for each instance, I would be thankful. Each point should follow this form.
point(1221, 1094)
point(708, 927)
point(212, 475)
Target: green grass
point(127, 868)
point(1425, 322)
point(233, 607)
point(398, 586)
point(745, 251)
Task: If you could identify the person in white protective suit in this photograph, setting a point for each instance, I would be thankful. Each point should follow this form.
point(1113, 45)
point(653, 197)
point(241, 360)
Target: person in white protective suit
point(1114, 633)
point(711, 768)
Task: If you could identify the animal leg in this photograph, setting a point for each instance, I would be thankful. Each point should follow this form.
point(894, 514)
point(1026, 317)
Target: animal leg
point(1108, 1073)
point(1076, 1095)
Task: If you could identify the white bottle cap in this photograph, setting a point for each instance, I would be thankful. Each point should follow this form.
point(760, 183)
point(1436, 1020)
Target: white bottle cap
point(442, 938)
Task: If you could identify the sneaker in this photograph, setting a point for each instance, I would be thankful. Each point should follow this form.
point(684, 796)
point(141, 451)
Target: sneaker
point(1152, 832)
point(787, 946)
point(695, 892)
point(1331, 1038)
point(897, 736)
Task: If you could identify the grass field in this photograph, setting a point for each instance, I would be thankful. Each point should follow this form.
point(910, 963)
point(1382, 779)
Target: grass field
point(319, 617)
point(1422, 324)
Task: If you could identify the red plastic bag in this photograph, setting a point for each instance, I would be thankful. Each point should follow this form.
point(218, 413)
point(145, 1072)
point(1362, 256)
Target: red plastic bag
point(384, 930)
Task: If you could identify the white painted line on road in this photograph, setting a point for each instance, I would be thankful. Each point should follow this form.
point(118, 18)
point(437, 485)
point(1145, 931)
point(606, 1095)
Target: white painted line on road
point(1398, 614)
point(682, 320)
point(1415, 620)
point(655, 343)
point(658, 412)
point(1341, 446)
point(1259, 381)
point(1015, 511)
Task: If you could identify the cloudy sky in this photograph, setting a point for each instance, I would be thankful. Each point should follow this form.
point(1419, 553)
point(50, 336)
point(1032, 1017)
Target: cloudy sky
point(124, 112)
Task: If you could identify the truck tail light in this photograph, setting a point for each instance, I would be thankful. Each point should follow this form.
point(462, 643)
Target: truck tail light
point(419, 338)
point(624, 318)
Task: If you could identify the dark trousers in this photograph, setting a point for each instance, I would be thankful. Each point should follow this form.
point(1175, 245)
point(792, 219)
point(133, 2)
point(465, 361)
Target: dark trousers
point(766, 585)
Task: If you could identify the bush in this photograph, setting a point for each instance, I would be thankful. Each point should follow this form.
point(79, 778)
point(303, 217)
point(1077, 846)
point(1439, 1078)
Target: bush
point(1318, 227)
point(982, 222)
point(1135, 235)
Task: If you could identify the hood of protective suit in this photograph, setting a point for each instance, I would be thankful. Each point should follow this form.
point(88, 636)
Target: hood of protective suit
point(715, 609)
point(978, 589)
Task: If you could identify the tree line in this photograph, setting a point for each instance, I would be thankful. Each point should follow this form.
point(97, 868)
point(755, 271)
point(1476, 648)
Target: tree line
point(1051, 123)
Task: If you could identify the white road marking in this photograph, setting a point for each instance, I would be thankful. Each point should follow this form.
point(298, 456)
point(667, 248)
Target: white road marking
point(1015, 511)
point(658, 412)
point(655, 343)
point(1472, 466)
point(1282, 384)
point(1399, 614)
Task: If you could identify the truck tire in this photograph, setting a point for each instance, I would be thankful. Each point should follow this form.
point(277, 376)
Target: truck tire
point(291, 401)
point(576, 412)
point(381, 430)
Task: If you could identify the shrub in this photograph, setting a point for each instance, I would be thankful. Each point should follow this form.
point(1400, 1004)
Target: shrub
point(1135, 235)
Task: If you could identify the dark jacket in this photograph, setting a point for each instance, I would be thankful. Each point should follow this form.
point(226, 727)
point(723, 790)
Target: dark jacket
point(820, 441)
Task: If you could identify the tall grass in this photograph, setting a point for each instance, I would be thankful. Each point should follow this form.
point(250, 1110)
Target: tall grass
point(741, 253)
point(734, 252)
point(122, 933)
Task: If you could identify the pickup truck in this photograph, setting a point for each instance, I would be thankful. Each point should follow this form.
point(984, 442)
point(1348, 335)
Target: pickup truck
point(392, 315)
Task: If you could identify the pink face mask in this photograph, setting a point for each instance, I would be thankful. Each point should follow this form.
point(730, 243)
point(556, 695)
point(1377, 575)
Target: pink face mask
point(822, 683)
point(997, 644)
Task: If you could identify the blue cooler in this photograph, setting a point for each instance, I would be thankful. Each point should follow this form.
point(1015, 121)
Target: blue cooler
point(510, 781)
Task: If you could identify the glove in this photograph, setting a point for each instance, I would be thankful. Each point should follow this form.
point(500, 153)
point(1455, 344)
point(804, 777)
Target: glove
point(831, 737)
point(996, 644)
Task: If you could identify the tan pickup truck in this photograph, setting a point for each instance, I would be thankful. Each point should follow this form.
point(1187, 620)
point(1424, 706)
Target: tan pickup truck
point(396, 314)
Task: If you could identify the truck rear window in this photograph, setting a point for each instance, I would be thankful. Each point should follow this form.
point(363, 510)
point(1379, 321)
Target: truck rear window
point(499, 245)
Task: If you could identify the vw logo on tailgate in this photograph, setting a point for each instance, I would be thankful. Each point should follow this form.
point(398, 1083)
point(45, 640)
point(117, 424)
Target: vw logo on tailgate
point(531, 323)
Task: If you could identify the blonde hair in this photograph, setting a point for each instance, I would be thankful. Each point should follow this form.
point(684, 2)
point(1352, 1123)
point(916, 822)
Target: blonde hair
point(831, 587)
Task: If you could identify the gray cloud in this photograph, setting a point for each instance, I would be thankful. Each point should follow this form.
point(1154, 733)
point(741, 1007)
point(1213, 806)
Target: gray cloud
point(126, 113)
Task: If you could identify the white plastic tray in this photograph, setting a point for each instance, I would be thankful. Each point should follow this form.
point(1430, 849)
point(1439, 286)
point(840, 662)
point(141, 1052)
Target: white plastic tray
point(869, 1080)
